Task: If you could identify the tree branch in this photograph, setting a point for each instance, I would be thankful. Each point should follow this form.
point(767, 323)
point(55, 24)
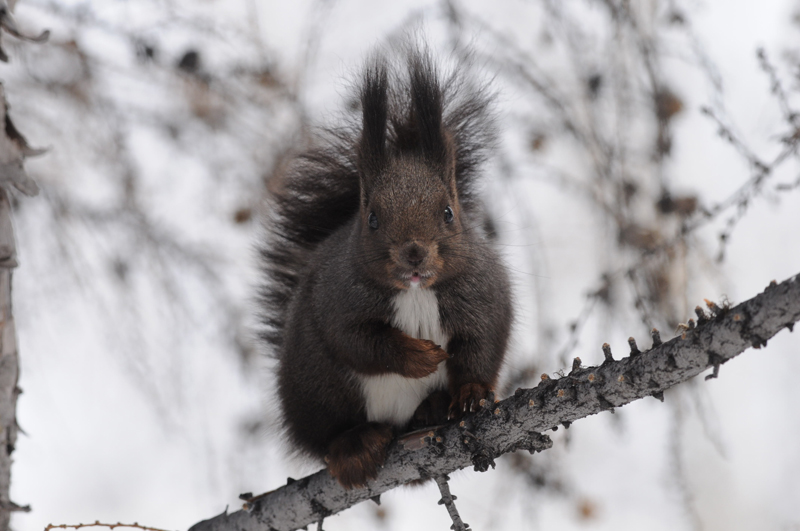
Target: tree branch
point(517, 422)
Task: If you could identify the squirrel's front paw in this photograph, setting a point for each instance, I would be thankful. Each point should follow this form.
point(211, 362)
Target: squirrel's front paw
point(423, 357)
point(468, 399)
point(356, 455)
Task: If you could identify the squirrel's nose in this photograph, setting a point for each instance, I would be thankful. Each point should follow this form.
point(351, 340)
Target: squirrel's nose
point(413, 254)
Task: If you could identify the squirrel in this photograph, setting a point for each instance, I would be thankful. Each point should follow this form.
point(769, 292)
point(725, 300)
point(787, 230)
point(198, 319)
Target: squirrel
point(386, 304)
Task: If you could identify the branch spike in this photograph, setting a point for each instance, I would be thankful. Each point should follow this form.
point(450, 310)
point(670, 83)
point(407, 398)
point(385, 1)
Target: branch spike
point(714, 373)
point(715, 360)
point(607, 352)
point(656, 335)
point(702, 318)
point(715, 309)
point(634, 348)
point(659, 395)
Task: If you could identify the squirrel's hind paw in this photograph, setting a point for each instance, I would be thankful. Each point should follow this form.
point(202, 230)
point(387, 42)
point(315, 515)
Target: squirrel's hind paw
point(433, 411)
point(469, 398)
point(356, 455)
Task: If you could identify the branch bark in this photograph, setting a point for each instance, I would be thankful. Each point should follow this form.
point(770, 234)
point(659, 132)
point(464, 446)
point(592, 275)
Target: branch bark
point(516, 423)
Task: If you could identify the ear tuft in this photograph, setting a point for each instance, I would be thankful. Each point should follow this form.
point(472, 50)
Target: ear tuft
point(427, 107)
point(374, 106)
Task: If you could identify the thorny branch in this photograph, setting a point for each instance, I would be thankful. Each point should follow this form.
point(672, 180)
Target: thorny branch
point(517, 422)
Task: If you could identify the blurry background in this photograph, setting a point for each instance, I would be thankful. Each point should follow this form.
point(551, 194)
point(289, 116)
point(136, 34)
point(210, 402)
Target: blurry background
point(648, 161)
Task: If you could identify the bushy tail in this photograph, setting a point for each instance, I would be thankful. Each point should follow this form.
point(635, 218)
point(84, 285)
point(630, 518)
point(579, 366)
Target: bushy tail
point(320, 192)
point(317, 195)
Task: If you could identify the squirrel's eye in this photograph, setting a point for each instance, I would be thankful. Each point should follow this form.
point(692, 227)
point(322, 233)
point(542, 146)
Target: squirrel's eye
point(373, 220)
point(448, 215)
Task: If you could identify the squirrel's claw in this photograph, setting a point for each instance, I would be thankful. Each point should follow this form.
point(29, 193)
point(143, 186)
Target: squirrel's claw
point(468, 399)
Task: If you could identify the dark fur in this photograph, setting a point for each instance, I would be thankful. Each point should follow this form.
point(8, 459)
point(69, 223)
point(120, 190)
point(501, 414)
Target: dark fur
point(331, 278)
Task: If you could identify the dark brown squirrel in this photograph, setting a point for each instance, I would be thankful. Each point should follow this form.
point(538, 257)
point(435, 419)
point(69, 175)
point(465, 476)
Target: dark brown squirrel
point(387, 306)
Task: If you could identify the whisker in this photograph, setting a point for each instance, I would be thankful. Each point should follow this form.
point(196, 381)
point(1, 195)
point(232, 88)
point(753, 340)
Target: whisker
point(478, 258)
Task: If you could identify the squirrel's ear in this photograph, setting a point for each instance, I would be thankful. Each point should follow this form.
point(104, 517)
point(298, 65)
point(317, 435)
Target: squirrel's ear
point(426, 96)
point(374, 106)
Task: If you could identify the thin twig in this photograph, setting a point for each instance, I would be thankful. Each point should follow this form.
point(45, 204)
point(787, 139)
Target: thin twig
point(448, 500)
point(97, 523)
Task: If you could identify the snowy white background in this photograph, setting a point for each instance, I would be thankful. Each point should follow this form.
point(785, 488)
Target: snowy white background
point(134, 410)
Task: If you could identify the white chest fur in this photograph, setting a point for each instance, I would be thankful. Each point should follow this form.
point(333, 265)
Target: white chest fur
point(393, 398)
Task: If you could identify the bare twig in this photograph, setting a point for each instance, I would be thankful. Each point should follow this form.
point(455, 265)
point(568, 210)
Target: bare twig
point(776, 87)
point(97, 523)
point(448, 500)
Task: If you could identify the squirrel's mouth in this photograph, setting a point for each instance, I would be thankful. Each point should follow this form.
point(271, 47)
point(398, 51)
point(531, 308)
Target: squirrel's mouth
point(416, 279)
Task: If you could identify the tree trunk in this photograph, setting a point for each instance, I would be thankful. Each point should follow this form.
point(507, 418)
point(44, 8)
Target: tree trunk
point(9, 363)
point(13, 149)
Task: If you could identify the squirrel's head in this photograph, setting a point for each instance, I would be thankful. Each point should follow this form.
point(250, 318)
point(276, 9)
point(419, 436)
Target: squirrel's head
point(411, 224)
